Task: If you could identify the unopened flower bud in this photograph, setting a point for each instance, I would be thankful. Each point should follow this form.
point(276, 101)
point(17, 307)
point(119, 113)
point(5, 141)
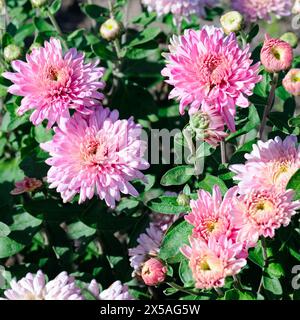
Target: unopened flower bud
point(291, 82)
point(154, 272)
point(291, 38)
point(232, 22)
point(183, 199)
point(199, 121)
point(38, 3)
point(110, 30)
point(276, 55)
point(35, 45)
point(26, 185)
point(11, 52)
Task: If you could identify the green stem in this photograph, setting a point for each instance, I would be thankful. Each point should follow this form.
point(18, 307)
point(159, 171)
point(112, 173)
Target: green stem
point(223, 152)
point(179, 288)
point(266, 263)
point(57, 28)
point(219, 292)
point(269, 105)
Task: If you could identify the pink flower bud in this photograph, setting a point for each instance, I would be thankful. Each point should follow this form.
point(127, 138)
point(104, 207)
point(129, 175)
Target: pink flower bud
point(291, 82)
point(154, 272)
point(276, 55)
point(26, 185)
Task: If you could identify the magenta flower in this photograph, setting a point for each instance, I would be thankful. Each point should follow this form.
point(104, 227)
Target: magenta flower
point(181, 9)
point(254, 10)
point(153, 272)
point(212, 216)
point(35, 287)
point(212, 262)
point(116, 291)
point(26, 185)
point(96, 153)
point(291, 82)
point(276, 55)
point(52, 83)
point(208, 68)
point(261, 212)
point(270, 164)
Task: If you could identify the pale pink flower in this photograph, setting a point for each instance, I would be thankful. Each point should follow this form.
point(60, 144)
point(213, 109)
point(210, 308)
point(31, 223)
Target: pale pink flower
point(270, 164)
point(211, 215)
point(98, 154)
point(212, 262)
point(254, 10)
point(153, 272)
point(181, 9)
point(26, 185)
point(276, 55)
point(52, 83)
point(116, 291)
point(208, 125)
point(296, 7)
point(291, 82)
point(261, 212)
point(206, 67)
point(35, 287)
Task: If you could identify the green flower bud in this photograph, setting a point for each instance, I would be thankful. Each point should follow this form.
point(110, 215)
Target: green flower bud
point(232, 22)
point(291, 38)
point(110, 29)
point(35, 45)
point(183, 199)
point(199, 121)
point(11, 52)
point(38, 3)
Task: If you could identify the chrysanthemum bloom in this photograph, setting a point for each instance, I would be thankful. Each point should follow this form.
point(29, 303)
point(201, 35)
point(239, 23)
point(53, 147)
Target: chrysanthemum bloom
point(98, 154)
point(26, 185)
point(261, 212)
point(208, 125)
point(232, 21)
point(35, 287)
point(212, 262)
point(271, 163)
point(212, 216)
point(116, 291)
point(153, 272)
point(254, 10)
point(51, 83)
point(276, 55)
point(291, 82)
point(207, 67)
point(181, 9)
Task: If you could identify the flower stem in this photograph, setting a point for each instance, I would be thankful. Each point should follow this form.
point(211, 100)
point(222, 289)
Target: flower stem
point(57, 28)
point(266, 262)
point(223, 152)
point(179, 288)
point(219, 292)
point(269, 105)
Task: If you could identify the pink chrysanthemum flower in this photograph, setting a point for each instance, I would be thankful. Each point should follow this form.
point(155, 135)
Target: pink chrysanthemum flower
point(35, 287)
point(212, 216)
point(254, 10)
point(270, 164)
point(296, 7)
point(261, 212)
point(291, 82)
point(116, 291)
point(276, 55)
point(153, 272)
point(212, 262)
point(26, 185)
point(98, 154)
point(51, 83)
point(208, 125)
point(181, 9)
point(207, 67)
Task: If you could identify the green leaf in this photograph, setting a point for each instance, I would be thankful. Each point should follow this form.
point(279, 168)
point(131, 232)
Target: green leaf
point(9, 247)
point(4, 230)
point(256, 255)
point(55, 6)
point(275, 270)
point(272, 284)
point(144, 36)
point(42, 25)
point(294, 184)
point(41, 134)
point(79, 230)
point(95, 12)
point(167, 205)
point(145, 18)
point(176, 237)
point(253, 33)
point(102, 51)
point(210, 181)
point(177, 176)
point(185, 273)
point(235, 294)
